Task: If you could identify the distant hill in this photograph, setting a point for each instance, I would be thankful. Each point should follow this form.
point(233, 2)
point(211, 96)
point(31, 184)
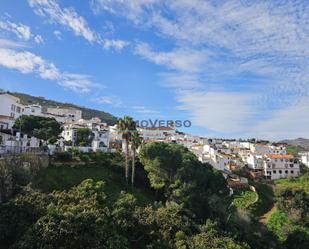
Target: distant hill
point(87, 112)
point(301, 143)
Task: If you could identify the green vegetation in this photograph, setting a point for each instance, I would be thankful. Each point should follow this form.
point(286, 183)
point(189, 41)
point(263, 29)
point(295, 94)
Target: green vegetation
point(64, 177)
point(40, 127)
point(87, 113)
point(84, 137)
point(244, 198)
point(265, 201)
point(290, 219)
point(83, 201)
point(301, 182)
point(294, 149)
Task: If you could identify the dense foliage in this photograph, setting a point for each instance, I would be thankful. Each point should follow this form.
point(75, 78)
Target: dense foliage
point(176, 203)
point(40, 127)
point(84, 137)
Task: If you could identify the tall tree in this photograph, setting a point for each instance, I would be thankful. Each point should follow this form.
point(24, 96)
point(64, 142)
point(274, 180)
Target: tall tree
point(84, 137)
point(135, 141)
point(125, 127)
point(40, 127)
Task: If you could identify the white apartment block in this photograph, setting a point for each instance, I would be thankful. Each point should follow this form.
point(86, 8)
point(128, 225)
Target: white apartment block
point(10, 110)
point(156, 133)
point(99, 129)
point(280, 166)
point(304, 158)
point(267, 149)
point(34, 110)
point(63, 115)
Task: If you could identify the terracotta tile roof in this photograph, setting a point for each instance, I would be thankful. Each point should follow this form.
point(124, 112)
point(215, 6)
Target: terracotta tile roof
point(279, 156)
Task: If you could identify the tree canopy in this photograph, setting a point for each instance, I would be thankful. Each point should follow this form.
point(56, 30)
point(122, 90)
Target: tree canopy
point(40, 127)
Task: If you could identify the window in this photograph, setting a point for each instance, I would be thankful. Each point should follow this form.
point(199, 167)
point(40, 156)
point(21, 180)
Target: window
point(292, 172)
point(274, 171)
point(12, 107)
point(291, 165)
point(280, 171)
point(12, 115)
point(18, 109)
point(286, 172)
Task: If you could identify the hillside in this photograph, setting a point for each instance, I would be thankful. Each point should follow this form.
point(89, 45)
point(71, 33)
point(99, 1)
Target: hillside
point(299, 142)
point(87, 112)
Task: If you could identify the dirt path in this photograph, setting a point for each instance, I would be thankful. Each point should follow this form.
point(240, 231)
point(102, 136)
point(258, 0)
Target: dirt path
point(264, 218)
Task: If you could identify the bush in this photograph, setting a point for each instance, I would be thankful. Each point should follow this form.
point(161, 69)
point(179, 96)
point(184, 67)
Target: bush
point(63, 156)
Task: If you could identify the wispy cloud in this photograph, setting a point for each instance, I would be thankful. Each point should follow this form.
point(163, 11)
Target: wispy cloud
point(70, 19)
point(38, 39)
point(111, 100)
point(20, 30)
point(27, 62)
point(264, 40)
point(144, 110)
point(58, 34)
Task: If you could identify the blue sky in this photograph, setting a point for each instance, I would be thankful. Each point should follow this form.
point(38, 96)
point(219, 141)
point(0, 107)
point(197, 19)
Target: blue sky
point(234, 68)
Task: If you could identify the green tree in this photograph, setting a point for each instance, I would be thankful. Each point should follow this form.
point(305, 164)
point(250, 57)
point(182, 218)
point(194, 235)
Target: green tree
point(40, 127)
point(126, 126)
point(84, 137)
point(135, 141)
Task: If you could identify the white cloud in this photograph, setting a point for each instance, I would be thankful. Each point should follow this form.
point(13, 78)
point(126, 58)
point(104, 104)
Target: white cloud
point(218, 111)
point(115, 44)
point(114, 101)
point(58, 34)
point(70, 19)
point(5, 43)
point(291, 122)
point(27, 62)
point(183, 59)
point(38, 39)
point(264, 41)
point(144, 110)
point(66, 17)
point(22, 31)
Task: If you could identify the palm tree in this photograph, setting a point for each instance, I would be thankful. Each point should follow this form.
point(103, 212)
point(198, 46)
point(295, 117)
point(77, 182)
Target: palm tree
point(125, 127)
point(135, 141)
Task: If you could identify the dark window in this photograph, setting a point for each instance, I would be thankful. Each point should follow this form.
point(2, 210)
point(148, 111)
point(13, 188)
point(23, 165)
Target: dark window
point(292, 172)
point(286, 172)
point(275, 171)
point(280, 171)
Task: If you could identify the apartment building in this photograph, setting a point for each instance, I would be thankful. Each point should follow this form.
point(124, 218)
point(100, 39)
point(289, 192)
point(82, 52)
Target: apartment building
point(277, 166)
point(10, 110)
point(63, 115)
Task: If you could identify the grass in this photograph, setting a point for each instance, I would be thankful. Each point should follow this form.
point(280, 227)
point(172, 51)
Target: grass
point(280, 224)
point(301, 182)
point(244, 198)
point(64, 177)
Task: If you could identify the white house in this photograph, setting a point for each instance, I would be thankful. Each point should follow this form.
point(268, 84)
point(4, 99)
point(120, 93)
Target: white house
point(305, 158)
point(156, 133)
point(280, 166)
point(10, 110)
point(63, 115)
point(34, 110)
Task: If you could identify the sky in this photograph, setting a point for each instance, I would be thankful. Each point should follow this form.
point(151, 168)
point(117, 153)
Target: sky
point(235, 69)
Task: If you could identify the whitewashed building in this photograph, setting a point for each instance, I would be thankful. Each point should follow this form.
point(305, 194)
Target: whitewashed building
point(280, 166)
point(10, 110)
point(63, 115)
point(304, 158)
